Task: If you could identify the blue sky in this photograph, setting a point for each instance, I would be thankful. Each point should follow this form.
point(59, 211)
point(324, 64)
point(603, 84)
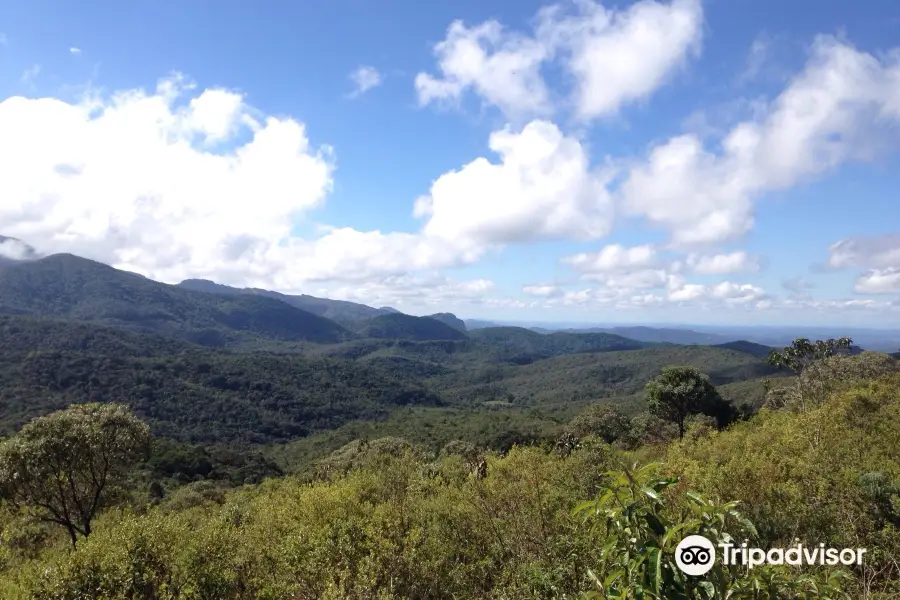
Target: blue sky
point(706, 162)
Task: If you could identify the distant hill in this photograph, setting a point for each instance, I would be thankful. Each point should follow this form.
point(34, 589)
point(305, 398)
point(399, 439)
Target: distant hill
point(746, 347)
point(588, 377)
point(340, 311)
point(63, 285)
point(478, 324)
point(451, 320)
point(526, 346)
point(687, 337)
point(398, 326)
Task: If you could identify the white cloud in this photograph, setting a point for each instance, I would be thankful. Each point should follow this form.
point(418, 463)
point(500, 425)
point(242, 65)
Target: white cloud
point(635, 280)
point(722, 264)
point(615, 57)
point(3, 39)
point(622, 56)
point(546, 291)
point(613, 257)
point(726, 292)
point(502, 67)
point(872, 252)
point(121, 179)
point(879, 281)
point(11, 248)
point(181, 183)
point(74, 50)
point(427, 292)
point(835, 111)
point(364, 79)
point(542, 188)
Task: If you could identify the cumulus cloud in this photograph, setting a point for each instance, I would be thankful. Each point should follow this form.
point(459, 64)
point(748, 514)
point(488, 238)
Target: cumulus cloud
point(364, 79)
point(726, 292)
point(866, 252)
point(614, 56)
point(879, 255)
point(74, 50)
point(129, 179)
point(543, 187)
point(426, 292)
point(613, 257)
point(620, 56)
point(180, 183)
point(502, 67)
point(879, 281)
point(545, 291)
point(835, 111)
point(722, 264)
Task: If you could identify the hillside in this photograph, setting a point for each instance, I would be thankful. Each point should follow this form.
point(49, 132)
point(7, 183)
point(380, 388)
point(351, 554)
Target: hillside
point(20, 335)
point(451, 320)
point(580, 378)
point(752, 348)
point(63, 285)
point(661, 335)
point(340, 311)
point(205, 396)
point(524, 345)
point(398, 326)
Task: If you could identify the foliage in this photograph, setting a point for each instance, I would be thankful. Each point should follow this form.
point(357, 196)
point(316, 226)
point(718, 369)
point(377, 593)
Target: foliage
point(802, 353)
point(602, 420)
point(822, 379)
point(408, 327)
point(208, 397)
point(525, 346)
point(827, 475)
point(638, 530)
point(66, 465)
point(679, 392)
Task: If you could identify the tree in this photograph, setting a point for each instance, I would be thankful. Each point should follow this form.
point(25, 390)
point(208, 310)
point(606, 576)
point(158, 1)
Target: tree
point(799, 357)
point(64, 466)
point(602, 420)
point(682, 391)
point(802, 353)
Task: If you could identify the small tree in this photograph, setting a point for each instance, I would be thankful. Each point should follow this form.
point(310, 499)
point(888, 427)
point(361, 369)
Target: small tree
point(682, 391)
point(602, 420)
point(65, 465)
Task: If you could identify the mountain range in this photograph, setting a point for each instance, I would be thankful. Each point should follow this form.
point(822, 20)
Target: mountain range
point(213, 364)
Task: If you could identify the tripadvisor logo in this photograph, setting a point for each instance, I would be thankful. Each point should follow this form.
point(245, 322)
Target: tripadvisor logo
point(696, 555)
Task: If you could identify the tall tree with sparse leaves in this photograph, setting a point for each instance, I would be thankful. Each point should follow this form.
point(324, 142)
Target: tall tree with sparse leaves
point(64, 466)
point(802, 353)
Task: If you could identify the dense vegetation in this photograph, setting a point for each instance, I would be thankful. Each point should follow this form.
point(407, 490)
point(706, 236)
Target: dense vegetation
point(398, 326)
point(386, 519)
point(392, 456)
point(340, 311)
